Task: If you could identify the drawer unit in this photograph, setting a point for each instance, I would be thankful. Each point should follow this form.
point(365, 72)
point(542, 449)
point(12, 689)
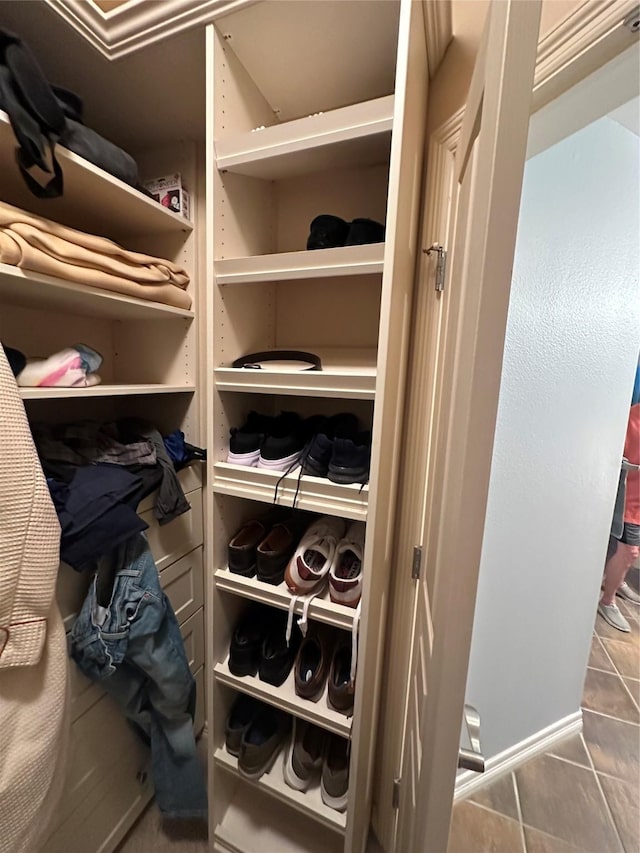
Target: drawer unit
point(183, 584)
point(170, 541)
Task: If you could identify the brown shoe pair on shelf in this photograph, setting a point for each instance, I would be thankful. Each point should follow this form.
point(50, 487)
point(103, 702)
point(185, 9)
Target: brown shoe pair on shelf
point(323, 655)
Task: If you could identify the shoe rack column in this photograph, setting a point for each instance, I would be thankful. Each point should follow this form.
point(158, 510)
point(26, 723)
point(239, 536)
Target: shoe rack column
point(326, 129)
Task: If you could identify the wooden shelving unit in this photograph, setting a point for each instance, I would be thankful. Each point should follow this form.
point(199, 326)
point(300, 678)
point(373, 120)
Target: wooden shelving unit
point(314, 493)
point(344, 137)
point(358, 134)
point(322, 609)
point(93, 200)
point(103, 391)
point(302, 265)
point(32, 290)
point(308, 802)
point(319, 713)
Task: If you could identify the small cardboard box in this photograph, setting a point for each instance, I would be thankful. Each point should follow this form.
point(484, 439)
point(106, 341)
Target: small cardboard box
point(169, 191)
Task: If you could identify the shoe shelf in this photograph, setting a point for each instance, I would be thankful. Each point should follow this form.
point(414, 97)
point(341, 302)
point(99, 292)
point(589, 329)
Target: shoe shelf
point(256, 822)
point(308, 802)
point(93, 199)
point(355, 135)
point(309, 264)
point(284, 697)
point(346, 373)
point(33, 290)
point(316, 494)
point(322, 609)
point(103, 391)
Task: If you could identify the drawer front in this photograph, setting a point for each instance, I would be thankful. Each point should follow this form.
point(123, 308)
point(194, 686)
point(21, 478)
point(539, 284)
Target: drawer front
point(109, 809)
point(99, 740)
point(183, 584)
point(190, 479)
point(171, 541)
point(193, 635)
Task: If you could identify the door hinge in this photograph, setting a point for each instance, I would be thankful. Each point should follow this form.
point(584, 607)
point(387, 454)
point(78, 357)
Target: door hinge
point(395, 794)
point(441, 264)
point(416, 565)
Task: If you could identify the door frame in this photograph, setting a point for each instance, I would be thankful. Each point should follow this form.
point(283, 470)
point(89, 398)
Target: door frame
point(584, 41)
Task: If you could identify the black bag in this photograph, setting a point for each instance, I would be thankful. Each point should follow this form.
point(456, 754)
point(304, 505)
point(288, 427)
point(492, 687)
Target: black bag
point(42, 116)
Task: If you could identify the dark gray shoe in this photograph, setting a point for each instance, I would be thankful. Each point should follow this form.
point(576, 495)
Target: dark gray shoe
point(304, 755)
point(262, 740)
point(334, 784)
point(240, 716)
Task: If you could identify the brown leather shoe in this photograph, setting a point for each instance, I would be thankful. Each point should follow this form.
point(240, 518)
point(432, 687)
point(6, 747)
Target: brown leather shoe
point(341, 688)
point(242, 548)
point(312, 665)
point(274, 552)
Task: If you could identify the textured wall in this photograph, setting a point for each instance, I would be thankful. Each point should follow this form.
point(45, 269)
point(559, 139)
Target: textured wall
point(571, 348)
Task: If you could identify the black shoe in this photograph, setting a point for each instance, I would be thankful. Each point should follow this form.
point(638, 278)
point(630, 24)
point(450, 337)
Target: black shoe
point(245, 441)
point(320, 449)
point(247, 639)
point(277, 658)
point(283, 444)
point(242, 712)
point(364, 231)
point(350, 459)
point(327, 232)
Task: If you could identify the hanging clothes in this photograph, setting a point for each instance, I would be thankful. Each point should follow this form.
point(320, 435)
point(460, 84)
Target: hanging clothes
point(34, 708)
point(127, 638)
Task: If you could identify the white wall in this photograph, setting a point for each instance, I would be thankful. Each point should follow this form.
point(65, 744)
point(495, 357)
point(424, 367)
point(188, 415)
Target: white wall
point(571, 348)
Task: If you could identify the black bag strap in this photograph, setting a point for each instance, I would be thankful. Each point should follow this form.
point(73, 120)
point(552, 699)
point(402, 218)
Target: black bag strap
point(36, 116)
point(252, 360)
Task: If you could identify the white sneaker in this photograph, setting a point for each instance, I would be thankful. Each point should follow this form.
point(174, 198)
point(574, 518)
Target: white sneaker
point(628, 593)
point(312, 559)
point(345, 574)
point(611, 614)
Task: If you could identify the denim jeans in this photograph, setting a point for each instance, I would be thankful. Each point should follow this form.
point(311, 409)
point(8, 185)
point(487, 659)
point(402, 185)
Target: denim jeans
point(134, 648)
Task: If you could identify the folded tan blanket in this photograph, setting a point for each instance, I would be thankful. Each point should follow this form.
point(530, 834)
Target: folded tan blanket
point(38, 244)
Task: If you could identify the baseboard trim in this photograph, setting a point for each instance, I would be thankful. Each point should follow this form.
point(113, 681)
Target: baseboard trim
point(514, 756)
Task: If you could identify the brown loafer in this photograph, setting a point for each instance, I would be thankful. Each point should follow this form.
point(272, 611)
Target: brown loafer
point(341, 687)
point(242, 548)
point(312, 666)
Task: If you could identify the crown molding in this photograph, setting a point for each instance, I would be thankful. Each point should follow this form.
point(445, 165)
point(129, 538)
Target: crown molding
point(137, 24)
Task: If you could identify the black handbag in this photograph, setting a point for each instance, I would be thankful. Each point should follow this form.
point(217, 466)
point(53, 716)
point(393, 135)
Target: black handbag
point(42, 116)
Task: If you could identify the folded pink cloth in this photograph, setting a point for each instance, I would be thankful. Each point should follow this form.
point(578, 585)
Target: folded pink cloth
point(69, 368)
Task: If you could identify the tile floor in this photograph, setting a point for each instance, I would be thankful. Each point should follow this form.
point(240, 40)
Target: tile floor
point(581, 797)
point(584, 795)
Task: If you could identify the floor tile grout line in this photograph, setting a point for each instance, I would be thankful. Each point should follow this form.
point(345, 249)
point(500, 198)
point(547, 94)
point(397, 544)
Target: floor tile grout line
point(611, 660)
point(519, 808)
point(604, 797)
point(609, 717)
point(486, 808)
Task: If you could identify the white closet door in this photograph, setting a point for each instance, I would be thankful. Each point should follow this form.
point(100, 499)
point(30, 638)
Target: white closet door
point(489, 164)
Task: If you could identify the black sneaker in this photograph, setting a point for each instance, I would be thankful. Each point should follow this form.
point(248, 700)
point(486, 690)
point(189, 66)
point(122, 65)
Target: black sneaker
point(318, 455)
point(350, 459)
point(283, 444)
point(246, 441)
point(364, 231)
point(277, 658)
point(247, 639)
point(327, 232)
